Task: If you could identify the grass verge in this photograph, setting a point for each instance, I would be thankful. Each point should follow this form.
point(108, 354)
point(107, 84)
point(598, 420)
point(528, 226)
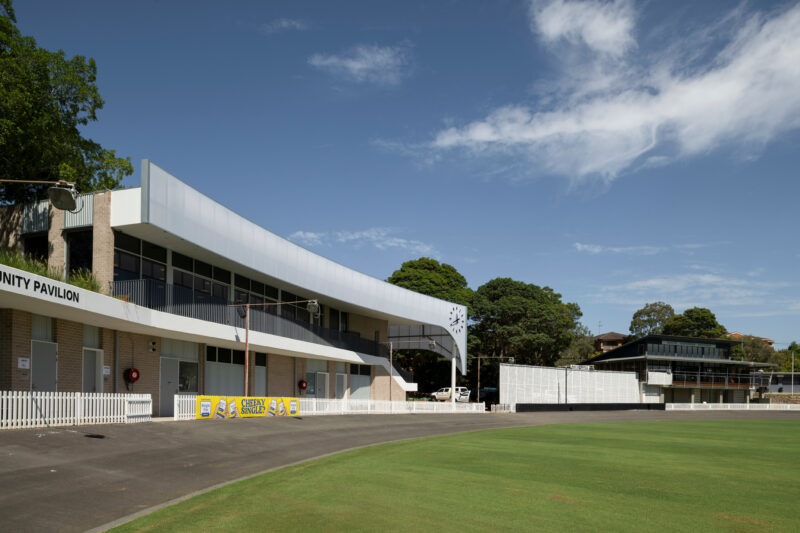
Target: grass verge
point(646, 476)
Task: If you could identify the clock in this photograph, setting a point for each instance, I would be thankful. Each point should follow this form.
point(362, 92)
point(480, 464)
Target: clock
point(457, 319)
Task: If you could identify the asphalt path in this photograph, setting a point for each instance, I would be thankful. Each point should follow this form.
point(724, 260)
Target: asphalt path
point(62, 479)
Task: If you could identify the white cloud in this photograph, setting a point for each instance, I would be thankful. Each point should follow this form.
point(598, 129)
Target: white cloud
point(694, 289)
point(308, 238)
point(596, 249)
point(383, 65)
point(606, 27)
point(613, 110)
point(380, 238)
point(281, 25)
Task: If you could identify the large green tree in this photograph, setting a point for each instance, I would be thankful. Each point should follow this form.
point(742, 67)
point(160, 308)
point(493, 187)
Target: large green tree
point(521, 320)
point(580, 348)
point(429, 276)
point(754, 349)
point(45, 98)
point(650, 319)
point(694, 322)
point(440, 280)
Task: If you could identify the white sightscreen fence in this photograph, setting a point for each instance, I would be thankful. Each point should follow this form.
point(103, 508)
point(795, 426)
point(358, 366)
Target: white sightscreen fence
point(536, 384)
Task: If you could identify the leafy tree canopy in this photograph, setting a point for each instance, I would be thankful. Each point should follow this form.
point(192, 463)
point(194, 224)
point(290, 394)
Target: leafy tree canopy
point(440, 280)
point(754, 349)
point(521, 320)
point(694, 322)
point(580, 348)
point(429, 276)
point(44, 99)
point(650, 319)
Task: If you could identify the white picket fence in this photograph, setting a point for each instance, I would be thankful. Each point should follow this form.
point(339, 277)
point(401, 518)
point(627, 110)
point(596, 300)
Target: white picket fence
point(732, 407)
point(24, 409)
point(185, 407)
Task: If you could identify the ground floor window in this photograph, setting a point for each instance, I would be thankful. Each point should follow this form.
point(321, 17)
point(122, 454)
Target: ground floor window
point(360, 382)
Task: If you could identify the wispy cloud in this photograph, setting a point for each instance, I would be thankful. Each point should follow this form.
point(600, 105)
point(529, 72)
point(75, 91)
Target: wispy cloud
point(382, 65)
point(603, 27)
point(617, 107)
point(596, 249)
point(283, 24)
point(380, 238)
point(695, 289)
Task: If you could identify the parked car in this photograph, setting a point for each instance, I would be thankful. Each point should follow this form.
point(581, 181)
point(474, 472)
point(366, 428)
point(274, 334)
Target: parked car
point(443, 394)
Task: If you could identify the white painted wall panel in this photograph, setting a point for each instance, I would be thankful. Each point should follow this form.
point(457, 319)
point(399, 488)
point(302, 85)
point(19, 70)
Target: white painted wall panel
point(535, 384)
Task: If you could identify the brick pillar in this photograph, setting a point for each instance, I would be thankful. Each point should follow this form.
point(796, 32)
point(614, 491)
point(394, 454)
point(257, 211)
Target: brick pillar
point(15, 342)
point(57, 258)
point(103, 242)
point(69, 336)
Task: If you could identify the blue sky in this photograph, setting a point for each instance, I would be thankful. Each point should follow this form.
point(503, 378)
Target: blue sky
point(620, 152)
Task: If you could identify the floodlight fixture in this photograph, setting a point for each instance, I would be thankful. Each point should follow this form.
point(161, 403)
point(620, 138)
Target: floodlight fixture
point(63, 196)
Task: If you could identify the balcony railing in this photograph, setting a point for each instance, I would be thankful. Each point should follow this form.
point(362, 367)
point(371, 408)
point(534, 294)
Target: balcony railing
point(703, 380)
point(701, 352)
point(183, 301)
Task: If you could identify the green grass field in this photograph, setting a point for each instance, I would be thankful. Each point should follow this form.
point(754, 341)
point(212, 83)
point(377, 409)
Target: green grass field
point(646, 476)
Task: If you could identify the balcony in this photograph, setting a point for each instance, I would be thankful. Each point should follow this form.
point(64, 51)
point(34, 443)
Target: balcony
point(704, 380)
point(693, 352)
point(182, 301)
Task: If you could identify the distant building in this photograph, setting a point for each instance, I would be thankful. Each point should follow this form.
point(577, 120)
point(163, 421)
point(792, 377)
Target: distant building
point(735, 335)
point(608, 341)
point(686, 369)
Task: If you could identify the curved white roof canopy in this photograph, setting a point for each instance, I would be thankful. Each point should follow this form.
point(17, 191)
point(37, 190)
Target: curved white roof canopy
point(174, 207)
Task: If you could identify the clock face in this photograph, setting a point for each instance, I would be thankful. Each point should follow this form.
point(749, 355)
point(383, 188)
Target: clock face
point(457, 319)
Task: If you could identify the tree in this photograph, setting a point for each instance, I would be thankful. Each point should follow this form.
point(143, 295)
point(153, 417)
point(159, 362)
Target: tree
point(44, 99)
point(754, 349)
point(694, 322)
point(580, 348)
point(428, 276)
point(650, 319)
point(440, 280)
point(521, 320)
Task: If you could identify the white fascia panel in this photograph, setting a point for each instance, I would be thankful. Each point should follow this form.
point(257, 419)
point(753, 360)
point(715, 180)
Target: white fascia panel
point(126, 207)
point(169, 204)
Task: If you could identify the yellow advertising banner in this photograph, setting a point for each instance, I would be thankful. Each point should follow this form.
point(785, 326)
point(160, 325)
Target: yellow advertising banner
point(209, 407)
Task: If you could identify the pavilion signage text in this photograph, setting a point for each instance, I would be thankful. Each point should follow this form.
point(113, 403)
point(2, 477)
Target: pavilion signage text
point(39, 287)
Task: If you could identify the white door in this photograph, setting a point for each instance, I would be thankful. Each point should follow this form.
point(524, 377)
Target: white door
point(92, 370)
point(44, 365)
point(260, 389)
point(169, 386)
point(341, 386)
point(322, 385)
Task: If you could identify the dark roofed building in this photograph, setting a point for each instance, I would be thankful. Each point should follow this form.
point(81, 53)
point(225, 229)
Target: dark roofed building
point(687, 369)
point(608, 341)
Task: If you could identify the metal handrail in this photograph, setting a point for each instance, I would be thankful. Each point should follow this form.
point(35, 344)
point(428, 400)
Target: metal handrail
point(709, 380)
point(183, 301)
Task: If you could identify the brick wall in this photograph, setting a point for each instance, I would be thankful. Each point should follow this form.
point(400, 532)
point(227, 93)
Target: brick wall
point(134, 352)
point(11, 226)
point(784, 398)
point(57, 259)
point(367, 326)
point(69, 336)
point(379, 389)
point(15, 341)
point(280, 375)
point(103, 242)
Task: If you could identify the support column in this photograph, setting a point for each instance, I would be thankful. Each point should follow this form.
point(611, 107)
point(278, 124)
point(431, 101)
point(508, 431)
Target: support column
point(453, 379)
point(691, 396)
